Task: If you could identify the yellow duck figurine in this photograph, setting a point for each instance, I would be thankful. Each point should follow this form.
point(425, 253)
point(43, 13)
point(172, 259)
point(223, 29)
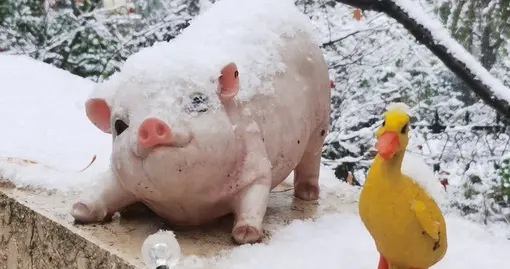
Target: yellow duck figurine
point(405, 222)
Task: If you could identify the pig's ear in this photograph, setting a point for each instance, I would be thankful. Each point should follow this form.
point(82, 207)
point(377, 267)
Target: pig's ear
point(228, 85)
point(98, 113)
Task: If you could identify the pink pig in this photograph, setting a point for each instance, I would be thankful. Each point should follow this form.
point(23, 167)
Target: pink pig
point(208, 123)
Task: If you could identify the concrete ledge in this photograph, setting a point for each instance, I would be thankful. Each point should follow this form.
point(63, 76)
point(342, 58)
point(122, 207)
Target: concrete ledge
point(36, 230)
point(30, 239)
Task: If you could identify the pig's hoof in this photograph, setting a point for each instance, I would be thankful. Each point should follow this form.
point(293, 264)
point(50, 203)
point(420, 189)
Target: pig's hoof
point(246, 234)
point(307, 192)
point(82, 213)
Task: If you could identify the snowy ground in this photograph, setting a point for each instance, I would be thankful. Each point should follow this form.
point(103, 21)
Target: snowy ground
point(44, 120)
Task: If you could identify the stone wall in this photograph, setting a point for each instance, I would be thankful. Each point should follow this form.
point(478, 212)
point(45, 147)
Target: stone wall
point(31, 240)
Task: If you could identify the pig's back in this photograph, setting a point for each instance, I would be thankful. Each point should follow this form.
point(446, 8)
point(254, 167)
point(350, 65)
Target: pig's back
point(251, 33)
point(296, 114)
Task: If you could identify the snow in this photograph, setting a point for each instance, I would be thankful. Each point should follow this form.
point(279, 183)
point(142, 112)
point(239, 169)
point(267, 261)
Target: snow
point(415, 167)
point(442, 37)
point(111, 4)
point(253, 41)
point(46, 123)
point(340, 241)
point(402, 107)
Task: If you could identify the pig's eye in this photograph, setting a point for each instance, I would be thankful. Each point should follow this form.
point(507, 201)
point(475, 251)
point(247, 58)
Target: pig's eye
point(198, 102)
point(198, 98)
point(120, 126)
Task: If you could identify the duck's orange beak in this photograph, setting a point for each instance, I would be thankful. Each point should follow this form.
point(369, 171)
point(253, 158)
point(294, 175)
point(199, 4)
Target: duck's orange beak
point(387, 144)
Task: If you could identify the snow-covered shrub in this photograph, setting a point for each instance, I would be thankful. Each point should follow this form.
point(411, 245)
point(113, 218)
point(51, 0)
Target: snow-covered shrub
point(86, 39)
point(483, 196)
point(501, 192)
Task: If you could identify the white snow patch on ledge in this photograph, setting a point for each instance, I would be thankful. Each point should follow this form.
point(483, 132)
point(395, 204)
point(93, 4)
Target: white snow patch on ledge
point(441, 36)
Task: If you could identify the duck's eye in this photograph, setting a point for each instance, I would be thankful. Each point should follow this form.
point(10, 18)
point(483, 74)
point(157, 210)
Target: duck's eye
point(120, 126)
point(404, 129)
point(384, 123)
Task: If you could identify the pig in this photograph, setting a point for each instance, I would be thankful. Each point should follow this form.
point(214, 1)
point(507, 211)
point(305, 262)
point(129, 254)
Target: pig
point(207, 124)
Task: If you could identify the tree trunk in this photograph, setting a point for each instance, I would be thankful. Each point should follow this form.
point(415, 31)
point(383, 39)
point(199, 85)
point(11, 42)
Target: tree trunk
point(425, 37)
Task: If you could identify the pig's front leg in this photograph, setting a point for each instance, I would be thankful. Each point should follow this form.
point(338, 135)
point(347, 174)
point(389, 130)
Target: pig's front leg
point(102, 203)
point(251, 203)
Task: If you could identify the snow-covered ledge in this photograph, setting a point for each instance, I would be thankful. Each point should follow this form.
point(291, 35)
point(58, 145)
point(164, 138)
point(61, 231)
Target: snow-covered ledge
point(50, 139)
point(38, 232)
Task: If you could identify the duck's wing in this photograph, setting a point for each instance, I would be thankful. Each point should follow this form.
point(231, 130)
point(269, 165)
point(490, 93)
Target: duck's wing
point(429, 225)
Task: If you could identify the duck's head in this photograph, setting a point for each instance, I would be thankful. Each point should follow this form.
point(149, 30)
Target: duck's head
point(392, 136)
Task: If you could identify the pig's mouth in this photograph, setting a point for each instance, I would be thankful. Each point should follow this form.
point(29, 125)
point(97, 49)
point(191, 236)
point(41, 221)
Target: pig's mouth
point(143, 153)
point(174, 145)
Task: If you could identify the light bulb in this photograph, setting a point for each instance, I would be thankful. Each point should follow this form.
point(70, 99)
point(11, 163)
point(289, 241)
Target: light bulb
point(161, 250)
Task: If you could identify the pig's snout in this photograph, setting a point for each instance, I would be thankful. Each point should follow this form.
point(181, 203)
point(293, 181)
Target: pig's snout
point(153, 132)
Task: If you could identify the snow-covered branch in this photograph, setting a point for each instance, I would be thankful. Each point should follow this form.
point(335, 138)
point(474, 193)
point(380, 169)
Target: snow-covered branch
point(432, 34)
point(375, 5)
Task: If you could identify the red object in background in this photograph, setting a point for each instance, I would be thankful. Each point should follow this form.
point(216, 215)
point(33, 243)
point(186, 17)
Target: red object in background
point(443, 172)
point(131, 10)
point(420, 147)
point(444, 182)
point(332, 83)
point(356, 14)
point(1, 49)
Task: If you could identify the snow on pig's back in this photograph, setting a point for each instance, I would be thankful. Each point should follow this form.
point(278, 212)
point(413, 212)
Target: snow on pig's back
point(248, 32)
